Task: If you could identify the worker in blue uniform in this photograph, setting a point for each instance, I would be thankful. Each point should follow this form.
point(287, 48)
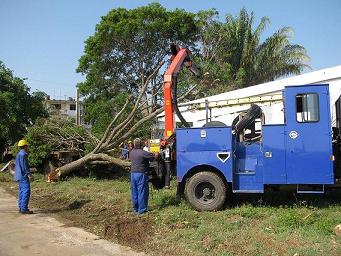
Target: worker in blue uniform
point(130, 146)
point(22, 176)
point(139, 178)
point(124, 151)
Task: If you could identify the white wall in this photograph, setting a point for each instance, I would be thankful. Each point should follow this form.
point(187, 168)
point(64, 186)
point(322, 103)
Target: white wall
point(274, 113)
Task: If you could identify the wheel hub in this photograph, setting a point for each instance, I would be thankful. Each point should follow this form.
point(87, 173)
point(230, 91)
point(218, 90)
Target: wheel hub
point(205, 192)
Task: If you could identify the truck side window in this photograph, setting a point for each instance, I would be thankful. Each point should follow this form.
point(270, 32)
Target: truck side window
point(307, 107)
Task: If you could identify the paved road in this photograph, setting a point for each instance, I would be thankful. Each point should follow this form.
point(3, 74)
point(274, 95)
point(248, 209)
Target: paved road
point(38, 234)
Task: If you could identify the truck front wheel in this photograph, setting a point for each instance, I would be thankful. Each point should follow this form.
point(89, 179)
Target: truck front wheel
point(206, 191)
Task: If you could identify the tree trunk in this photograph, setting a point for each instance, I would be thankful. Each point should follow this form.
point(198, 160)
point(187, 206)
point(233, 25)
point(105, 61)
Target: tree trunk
point(75, 165)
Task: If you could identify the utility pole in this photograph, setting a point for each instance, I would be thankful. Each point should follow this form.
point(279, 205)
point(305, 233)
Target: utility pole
point(78, 111)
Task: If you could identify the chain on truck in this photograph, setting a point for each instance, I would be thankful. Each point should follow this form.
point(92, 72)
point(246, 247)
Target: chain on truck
point(216, 160)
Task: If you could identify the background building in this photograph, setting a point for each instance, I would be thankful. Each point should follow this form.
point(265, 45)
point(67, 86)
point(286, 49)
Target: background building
point(69, 108)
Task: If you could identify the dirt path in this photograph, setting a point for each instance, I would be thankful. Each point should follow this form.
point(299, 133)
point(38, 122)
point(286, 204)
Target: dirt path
point(39, 234)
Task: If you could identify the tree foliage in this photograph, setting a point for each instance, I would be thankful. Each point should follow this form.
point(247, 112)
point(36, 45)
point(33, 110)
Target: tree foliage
point(18, 108)
point(233, 51)
point(122, 62)
point(56, 134)
point(129, 44)
point(125, 49)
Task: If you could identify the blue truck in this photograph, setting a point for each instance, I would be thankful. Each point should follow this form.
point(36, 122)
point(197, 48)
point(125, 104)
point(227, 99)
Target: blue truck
point(216, 160)
point(213, 161)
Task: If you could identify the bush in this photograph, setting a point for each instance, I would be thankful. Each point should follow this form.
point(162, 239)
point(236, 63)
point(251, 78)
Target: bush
point(54, 134)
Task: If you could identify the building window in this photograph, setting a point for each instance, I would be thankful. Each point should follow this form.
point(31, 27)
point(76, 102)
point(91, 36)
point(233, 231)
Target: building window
point(56, 106)
point(72, 106)
point(307, 108)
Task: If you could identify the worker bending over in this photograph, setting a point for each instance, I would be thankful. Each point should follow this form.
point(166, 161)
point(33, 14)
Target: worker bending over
point(139, 178)
point(22, 176)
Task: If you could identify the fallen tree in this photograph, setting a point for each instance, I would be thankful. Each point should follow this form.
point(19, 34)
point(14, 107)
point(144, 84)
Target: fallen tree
point(117, 132)
point(122, 63)
point(56, 134)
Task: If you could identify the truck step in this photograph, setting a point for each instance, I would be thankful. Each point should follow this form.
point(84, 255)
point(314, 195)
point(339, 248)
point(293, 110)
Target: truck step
point(248, 191)
point(310, 189)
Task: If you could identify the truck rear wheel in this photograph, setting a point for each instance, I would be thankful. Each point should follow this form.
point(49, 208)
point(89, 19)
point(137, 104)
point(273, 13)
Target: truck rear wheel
point(206, 191)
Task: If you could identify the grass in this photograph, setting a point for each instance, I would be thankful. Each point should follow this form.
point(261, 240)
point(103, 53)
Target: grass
point(271, 224)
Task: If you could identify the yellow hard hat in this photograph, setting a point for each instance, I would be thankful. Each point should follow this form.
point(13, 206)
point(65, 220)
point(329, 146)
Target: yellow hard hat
point(22, 143)
point(130, 141)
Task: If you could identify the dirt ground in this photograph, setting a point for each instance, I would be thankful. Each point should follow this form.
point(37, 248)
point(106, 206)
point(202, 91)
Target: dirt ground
point(271, 224)
point(109, 223)
point(41, 234)
point(132, 231)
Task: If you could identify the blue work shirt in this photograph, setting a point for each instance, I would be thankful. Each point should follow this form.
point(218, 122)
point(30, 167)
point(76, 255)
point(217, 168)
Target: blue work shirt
point(22, 169)
point(124, 152)
point(140, 160)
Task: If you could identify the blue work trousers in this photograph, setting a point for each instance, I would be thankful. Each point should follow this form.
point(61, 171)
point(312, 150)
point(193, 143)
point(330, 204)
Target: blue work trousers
point(24, 193)
point(139, 191)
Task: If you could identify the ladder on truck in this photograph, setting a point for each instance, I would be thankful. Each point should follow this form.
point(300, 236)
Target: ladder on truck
point(243, 102)
point(271, 99)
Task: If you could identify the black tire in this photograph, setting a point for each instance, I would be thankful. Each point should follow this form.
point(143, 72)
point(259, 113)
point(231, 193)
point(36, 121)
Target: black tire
point(206, 191)
point(156, 174)
point(253, 112)
point(214, 124)
point(157, 182)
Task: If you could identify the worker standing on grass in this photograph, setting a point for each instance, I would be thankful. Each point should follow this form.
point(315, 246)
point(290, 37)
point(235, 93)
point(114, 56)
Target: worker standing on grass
point(139, 178)
point(22, 176)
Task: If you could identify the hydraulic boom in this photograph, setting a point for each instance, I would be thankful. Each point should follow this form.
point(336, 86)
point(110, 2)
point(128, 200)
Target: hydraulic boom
point(180, 57)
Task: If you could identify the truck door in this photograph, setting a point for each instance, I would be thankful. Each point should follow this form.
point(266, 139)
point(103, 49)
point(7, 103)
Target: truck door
point(308, 135)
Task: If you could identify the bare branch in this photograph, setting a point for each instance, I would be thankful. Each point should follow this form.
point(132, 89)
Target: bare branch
point(186, 94)
point(104, 137)
point(133, 128)
point(130, 117)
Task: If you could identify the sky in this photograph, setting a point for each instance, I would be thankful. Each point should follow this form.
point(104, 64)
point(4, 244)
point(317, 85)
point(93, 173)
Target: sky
point(42, 40)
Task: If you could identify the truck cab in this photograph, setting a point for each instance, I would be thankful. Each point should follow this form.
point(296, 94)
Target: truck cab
point(249, 156)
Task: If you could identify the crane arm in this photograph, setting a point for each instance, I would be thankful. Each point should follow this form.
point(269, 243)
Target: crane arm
point(180, 57)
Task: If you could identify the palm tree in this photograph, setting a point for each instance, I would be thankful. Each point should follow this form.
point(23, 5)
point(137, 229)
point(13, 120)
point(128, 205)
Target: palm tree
point(237, 44)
